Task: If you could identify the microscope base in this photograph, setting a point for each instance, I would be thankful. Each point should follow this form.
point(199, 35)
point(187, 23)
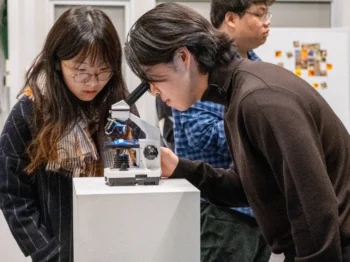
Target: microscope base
point(131, 177)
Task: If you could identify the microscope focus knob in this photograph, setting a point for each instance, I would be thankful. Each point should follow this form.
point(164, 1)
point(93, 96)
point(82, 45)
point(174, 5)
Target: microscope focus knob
point(150, 152)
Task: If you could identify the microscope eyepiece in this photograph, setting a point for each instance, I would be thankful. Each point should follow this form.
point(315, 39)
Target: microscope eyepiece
point(137, 93)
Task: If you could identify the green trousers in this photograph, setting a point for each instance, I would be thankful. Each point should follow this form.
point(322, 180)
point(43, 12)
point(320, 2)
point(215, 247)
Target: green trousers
point(230, 236)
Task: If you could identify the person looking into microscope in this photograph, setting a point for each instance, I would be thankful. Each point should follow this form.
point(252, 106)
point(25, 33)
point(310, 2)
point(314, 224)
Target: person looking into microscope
point(291, 151)
point(199, 135)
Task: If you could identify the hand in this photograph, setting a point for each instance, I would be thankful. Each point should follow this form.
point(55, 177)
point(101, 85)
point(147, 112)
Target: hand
point(169, 161)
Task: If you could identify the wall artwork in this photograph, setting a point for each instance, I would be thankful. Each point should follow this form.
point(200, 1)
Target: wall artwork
point(310, 60)
point(319, 56)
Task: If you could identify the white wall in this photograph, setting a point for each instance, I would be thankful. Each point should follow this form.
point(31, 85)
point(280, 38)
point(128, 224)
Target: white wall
point(26, 35)
point(346, 10)
point(145, 105)
point(340, 13)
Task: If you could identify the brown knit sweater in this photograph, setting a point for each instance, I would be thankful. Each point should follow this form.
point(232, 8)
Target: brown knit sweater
point(292, 160)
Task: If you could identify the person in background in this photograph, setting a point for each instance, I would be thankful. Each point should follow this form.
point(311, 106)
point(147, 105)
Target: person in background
point(291, 151)
point(199, 135)
point(56, 131)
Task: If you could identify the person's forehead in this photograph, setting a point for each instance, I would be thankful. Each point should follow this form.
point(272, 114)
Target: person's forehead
point(159, 69)
point(87, 62)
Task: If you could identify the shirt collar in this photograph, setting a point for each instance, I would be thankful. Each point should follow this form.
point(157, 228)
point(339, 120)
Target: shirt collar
point(253, 56)
point(219, 83)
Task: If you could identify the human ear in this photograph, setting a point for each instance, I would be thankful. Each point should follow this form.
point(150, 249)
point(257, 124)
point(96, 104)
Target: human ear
point(182, 59)
point(183, 54)
point(231, 19)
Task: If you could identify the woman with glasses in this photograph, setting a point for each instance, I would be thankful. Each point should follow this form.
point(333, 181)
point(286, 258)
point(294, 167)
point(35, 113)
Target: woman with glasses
point(56, 131)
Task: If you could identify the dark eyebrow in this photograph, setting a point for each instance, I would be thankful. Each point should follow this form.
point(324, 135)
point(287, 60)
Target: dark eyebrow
point(155, 78)
point(154, 75)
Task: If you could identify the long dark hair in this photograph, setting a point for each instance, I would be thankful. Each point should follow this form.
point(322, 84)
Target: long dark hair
point(79, 32)
point(157, 34)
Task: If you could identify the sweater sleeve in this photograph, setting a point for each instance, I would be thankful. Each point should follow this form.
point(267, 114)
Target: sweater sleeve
point(283, 129)
point(220, 186)
point(17, 197)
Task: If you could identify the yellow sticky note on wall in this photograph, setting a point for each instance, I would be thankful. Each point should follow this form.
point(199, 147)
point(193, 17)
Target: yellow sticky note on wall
point(298, 71)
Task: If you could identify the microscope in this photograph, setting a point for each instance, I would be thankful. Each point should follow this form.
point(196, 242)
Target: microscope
point(147, 169)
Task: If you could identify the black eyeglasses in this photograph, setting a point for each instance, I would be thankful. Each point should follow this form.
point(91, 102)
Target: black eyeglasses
point(86, 77)
point(264, 17)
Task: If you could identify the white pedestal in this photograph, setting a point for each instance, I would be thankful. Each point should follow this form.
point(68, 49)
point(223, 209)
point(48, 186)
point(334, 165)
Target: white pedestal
point(136, 223)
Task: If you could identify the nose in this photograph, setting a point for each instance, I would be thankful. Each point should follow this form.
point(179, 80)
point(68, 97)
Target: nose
point(92, 81)
point(267, 22)
point(154, 90)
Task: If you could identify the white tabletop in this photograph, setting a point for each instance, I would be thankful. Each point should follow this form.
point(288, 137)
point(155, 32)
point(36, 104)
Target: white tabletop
point(97, 186)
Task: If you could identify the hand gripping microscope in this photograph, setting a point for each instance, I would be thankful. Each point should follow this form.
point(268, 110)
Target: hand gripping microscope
point(147, 170)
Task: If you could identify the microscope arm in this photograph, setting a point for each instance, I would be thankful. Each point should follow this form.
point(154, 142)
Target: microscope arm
point(120, 113)
point(151, 132)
